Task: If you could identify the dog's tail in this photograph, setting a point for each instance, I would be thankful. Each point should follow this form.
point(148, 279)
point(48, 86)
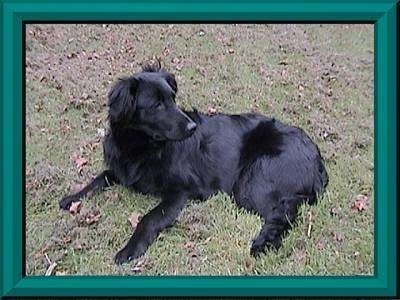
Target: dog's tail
point(321, 180)
point(324, 175)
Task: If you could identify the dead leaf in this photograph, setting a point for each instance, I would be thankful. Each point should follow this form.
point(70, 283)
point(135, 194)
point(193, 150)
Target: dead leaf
point(65, 127)
point(88, 216)
point(85, 96)
point(179, 66)
point(79, 162)
point(89, 146)
point(72, 55)
point(202, 71)
point(114, 196)
point(39, 106)
point(338, 237)
point(361, 203)
point(65, 240)
point(188, 245)
point(329, 92)
point(31, 185)
point(175, 60)
point(321, 245)
point(166, 51)
point(211, 111)
point(92, 217)
point(93, 145)
point(178, 63)
point(61, 273)
point(333, 212)
point(134, 219)
point(263, 71)
point(44, 130)
point(140, 265)
point(75, 207)
point(78, 244)
point(128, 49)
point(300, 256)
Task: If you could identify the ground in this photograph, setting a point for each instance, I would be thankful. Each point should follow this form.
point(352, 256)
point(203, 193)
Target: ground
point(318, 77)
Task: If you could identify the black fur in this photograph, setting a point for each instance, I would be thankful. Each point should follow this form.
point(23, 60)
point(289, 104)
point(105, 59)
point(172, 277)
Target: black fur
point(154, 147)
point(254, 143)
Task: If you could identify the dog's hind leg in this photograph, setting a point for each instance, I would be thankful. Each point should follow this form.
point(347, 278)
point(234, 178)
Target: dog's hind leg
point(150, 226)
point(278, 218)
point(278, 214)
point(259, 193)
point(105, 179)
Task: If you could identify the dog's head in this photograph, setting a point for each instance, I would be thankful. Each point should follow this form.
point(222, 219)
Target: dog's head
point(146, 102)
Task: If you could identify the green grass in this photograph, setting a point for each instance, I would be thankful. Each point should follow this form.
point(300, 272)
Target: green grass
point(318, 77)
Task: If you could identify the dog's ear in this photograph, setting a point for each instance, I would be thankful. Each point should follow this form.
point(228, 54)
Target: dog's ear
point(122, 99)
point(170, 78)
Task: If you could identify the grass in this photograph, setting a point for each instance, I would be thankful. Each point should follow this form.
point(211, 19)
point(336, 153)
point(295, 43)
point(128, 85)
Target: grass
point(318, 77)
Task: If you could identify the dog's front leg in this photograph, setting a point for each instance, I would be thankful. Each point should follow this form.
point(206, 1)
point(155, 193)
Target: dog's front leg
point(105, 179)
point(150, 226)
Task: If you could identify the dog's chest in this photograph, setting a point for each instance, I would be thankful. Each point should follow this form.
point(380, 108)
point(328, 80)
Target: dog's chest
point(149, 178)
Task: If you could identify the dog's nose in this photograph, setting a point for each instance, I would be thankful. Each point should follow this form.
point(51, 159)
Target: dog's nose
point(191, 127)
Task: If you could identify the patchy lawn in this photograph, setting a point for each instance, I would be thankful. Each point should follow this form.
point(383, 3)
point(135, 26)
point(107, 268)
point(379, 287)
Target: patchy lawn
point(318, 77)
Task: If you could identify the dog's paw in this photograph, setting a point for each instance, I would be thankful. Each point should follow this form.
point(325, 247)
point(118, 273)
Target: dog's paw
point(66, 202)
point(127, 254)
point(123, 256)
point(257, 250)
point(259, 247)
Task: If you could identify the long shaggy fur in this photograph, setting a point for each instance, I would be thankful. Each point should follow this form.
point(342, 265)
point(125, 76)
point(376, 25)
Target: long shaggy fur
point(155, 148)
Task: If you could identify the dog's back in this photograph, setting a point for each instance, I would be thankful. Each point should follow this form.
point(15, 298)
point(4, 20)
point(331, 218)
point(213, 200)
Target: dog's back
point(154, 147)
point(214, 157)
point(270, 168)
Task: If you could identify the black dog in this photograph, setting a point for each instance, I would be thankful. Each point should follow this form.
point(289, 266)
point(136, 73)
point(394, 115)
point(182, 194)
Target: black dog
point(154, 147)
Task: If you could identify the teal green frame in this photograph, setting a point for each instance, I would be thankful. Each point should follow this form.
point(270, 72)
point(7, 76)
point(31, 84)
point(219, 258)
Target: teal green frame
point(13, 283)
